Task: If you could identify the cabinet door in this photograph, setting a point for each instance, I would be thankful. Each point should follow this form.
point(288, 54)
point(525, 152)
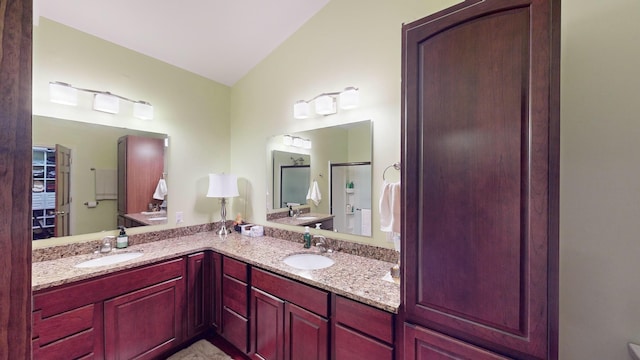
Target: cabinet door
point(306, 334)
point(215, 289)
point(145, 323)
point(267, 320)
point(197, 295)
point(480, 166)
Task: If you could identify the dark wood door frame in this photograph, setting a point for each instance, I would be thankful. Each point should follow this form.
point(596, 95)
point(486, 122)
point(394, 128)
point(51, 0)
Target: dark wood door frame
point(16, 23)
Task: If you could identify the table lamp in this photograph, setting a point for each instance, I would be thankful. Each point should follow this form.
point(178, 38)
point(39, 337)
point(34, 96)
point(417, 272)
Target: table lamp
point(223, 186)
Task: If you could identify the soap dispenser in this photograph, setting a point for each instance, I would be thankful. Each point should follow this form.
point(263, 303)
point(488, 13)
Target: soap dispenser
point(307, 238)
point(122, 241)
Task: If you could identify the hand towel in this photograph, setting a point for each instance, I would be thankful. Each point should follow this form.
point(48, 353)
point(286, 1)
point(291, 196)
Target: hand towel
point(390, 208)
point(314, 193)
point(365, 222)
point(106, 184)
point(161, 190)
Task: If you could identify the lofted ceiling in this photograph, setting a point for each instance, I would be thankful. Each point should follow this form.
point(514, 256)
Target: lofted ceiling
point(218, 39)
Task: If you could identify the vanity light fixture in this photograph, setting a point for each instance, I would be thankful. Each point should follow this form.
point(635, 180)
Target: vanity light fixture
point(325, 103)
point(296, 141)
point(67, 94)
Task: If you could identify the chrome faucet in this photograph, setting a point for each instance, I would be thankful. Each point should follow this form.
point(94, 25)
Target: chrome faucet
point(296, 213)
point(107, 244)
point(323, 244)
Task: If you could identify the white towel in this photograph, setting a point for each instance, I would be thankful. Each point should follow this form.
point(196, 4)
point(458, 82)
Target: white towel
point(365, 222)
point(314, 193)
point(106, 184)
point(390, 208)
point(161, 190)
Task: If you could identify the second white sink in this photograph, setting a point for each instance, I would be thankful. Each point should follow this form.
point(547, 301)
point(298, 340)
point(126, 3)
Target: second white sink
point(109, 260)
point(308, 261)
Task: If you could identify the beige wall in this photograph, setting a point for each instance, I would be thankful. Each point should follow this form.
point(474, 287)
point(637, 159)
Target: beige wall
point(194, 111)
point(357, 42)
point(600, 179)
point(346, 45)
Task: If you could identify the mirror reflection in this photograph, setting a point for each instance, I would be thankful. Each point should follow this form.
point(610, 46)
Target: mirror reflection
point(89, 178)
point(321, 178)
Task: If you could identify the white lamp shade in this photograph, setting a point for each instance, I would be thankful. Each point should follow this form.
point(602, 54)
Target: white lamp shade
point(306, 144)
point(106, 103)
point(301, 110)
point(222, 186)
point(349, 98)
point(325, 105)
point(143, 110)
point(62, 93)
point(298, 142)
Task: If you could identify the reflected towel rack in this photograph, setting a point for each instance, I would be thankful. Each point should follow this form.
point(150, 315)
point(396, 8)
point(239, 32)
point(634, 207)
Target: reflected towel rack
point(394, 165)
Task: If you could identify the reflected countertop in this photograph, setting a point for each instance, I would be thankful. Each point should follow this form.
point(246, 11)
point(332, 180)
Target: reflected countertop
point(351, 276)
point(304, 219)
point(150, 218)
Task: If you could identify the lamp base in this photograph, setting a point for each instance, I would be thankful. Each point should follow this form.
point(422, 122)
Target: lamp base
point(223, 231)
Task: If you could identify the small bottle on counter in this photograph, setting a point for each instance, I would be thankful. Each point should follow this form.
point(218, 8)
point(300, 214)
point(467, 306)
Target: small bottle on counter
point(122, 241)
point(307, 238)
point(290, 211)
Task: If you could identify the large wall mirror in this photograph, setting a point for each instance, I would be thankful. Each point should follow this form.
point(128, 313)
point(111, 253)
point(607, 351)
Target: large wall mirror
point(81, 196)
point(325, 173)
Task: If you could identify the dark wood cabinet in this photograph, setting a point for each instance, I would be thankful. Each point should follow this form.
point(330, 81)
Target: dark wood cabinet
point(235, 303)
point(140, 167)
point(215, 290)
point(267, 326)
point(361, 331)
point(199, 283)
point(289, 320)
point(138, 312)
point(145, 323)
point(480, 154)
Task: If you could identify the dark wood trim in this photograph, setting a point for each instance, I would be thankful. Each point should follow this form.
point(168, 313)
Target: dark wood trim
point(15, 175)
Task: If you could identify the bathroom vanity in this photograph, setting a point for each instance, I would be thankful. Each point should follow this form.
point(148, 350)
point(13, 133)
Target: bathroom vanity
point(237, 286)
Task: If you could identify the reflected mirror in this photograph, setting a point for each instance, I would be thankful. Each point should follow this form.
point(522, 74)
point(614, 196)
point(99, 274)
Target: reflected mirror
point(88, 178)
point(325, 174)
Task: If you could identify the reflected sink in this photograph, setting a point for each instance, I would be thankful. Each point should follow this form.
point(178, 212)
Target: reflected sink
point(306, 217)
point(109, 260)
point(157, 218)
point(308, 261)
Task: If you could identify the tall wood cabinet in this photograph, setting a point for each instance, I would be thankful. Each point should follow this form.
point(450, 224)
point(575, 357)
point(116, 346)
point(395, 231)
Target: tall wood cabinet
point(140, 167)
point(480, 156)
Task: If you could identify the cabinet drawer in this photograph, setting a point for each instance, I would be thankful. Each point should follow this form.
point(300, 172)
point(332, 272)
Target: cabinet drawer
point(236, 329)
point(72, 347)
point(305, 296)
point(59, 326)
point(234, 268)
point(235, 295)
point(350, 344)
point(364, 318)
point(421, 343)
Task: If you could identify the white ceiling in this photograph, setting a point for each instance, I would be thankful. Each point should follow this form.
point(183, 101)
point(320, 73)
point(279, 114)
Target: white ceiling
point(218, 39)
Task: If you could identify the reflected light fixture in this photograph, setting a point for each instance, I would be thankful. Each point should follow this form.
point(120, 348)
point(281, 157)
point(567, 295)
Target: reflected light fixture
point(67, 94)
point(325, 103)
point(223, 186)
point(290, 140)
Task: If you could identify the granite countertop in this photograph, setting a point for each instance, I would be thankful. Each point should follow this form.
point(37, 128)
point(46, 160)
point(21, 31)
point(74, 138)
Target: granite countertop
point(157, 218)
point(351, 276)
point(305, 221)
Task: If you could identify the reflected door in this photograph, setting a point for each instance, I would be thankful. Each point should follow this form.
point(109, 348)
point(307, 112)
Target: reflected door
point(294, 184)
point(63, 188)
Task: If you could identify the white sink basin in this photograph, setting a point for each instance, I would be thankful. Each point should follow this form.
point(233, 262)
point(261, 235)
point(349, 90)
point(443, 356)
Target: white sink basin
point(109, 260)
point(308, 261)
point(157, 218)
point(306, 217)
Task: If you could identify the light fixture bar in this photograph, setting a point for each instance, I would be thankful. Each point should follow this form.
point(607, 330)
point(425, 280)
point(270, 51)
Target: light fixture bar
point(104, 100)
point(325, 103)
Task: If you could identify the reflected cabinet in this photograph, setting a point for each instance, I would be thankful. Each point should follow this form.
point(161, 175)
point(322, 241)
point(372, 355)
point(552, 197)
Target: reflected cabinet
point(480, 197)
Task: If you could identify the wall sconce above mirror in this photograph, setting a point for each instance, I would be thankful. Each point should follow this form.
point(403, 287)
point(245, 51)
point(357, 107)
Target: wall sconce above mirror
point(325, 103)
point(66, 94)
